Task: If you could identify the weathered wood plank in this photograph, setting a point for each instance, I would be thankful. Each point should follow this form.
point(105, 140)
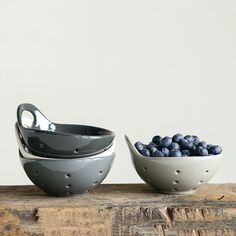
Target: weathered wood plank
point(133, 209)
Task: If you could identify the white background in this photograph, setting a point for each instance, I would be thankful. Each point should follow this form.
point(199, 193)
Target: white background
point(137, 67)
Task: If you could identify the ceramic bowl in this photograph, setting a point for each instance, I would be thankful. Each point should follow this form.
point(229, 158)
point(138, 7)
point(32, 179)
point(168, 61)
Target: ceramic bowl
point(65, 177)
point(109, 151)
point(45, 138)
point(174, 175)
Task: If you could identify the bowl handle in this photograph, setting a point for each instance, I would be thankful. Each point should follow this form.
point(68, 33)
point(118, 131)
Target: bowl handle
point(40, 122)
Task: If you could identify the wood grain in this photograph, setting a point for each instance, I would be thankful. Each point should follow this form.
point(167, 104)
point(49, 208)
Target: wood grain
point(133, 209)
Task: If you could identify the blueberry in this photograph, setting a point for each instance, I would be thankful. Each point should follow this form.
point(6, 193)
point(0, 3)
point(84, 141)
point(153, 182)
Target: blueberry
point(193, 150)
point(175, 153)
point(145, 152)
point(185, 152)
point(196, 140)
point(174, 146)
point(150, 145)
point(165, 151)
point(156, 139)
point(201, 151)
point(177, 137)
point(203, 144)
point(158, 154)
point(159, 147)
point(184, 155)
point(189, 138)
point(139, 146)
point(165, 142)
point(209, 146)
point(190, 145)
point(215, 149)
point(152, 150)
point(185, 144)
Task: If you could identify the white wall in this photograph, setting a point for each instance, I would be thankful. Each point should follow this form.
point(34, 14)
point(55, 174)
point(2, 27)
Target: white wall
point(136, 67)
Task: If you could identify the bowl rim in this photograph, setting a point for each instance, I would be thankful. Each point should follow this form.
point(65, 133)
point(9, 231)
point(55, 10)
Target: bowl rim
point(111, 133)
point(22, 157)
point(134, 151)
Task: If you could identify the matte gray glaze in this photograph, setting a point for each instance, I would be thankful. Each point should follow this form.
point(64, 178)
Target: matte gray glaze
point(49, 139)
point(64, 177)
point(174, 175)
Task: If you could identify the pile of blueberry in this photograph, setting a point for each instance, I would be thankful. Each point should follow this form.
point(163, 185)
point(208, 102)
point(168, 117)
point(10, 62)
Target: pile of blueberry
point(177, 146)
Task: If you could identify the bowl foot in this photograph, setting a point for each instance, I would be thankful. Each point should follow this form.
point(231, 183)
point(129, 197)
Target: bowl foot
point(177, 192)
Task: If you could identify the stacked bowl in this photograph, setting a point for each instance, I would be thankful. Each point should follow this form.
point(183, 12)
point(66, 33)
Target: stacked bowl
point(62, 159)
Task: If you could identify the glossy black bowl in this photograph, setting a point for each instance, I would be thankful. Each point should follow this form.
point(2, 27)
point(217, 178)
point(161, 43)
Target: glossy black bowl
point(50, 139)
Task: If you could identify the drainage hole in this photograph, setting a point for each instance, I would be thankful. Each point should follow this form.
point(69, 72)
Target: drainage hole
point(68, 193)
point(68, 186)
point(144, 168)
point(67, 176)
point(176, 182)
point(41, 145)
point(174, 189)
point(76, 150)
point(177, 172)
point(149, 179)
point(36, 172)
point(100, 172)
point(201, 181)
point(95, 182)
point(207, 171)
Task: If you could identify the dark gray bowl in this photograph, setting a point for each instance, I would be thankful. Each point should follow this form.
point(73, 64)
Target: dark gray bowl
point(64, 177)
point(49, 139)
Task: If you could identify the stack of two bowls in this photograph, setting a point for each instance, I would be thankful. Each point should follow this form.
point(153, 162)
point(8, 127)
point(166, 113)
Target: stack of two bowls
point(62, 159)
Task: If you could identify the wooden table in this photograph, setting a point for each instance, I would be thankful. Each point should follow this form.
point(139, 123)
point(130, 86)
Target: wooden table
point(132, 209)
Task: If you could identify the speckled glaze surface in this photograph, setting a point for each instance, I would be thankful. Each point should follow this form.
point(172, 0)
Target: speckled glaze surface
point(65, 177)
point(174, 175)
point(50, 139)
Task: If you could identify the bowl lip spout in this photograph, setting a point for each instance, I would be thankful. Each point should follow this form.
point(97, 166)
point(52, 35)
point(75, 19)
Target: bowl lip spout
point(134, 151)
point(26, 155)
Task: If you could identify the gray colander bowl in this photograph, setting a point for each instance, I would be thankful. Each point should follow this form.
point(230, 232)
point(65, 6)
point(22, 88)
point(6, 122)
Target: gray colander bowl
point(174, 175)
point(64, 177)
point(49, 139)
